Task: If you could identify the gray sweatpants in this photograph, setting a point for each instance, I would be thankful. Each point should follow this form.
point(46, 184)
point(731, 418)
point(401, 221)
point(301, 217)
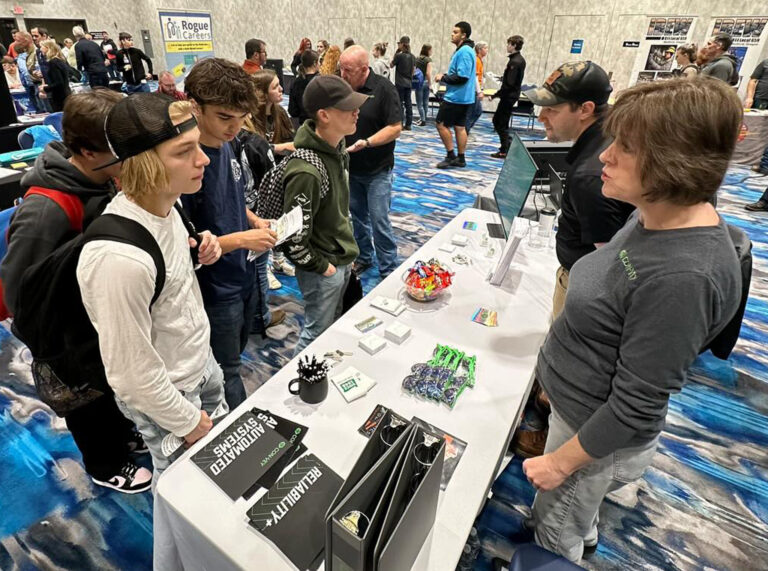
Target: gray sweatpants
point(566, 518)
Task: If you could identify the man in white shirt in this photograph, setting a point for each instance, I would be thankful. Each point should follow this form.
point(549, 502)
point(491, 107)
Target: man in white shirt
point(158, 363)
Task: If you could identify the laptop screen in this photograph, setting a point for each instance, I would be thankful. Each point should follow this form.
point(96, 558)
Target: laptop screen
point(514, 183)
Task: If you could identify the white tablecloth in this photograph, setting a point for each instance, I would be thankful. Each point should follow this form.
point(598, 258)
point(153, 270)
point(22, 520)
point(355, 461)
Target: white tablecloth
point(211, 531)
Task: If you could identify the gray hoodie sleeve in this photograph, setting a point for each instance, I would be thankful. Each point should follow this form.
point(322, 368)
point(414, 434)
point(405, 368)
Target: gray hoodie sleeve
point(721, 69)
point(38, 227)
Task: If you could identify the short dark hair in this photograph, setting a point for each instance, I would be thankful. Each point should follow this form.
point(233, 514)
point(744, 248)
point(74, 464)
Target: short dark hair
point(309, 58)
point(665, 123)
point(600, 110)
point(464, 27)
point(217, 81)
point(724, 39)
point(83, 120)
point(42, 31)
point(425, 50)
point(124, 36)
point(348, 42)
point(516, 41)
point(253, 47)
point(14, 31)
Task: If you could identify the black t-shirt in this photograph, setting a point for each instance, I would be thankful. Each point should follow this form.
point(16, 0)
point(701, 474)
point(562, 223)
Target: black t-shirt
point(761, 75)
point(296, 103)
point(379, 111)
point(404, 64)
point(587, 217)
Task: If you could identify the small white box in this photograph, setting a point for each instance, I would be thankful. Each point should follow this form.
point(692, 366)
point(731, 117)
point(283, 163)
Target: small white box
point(388, 304)
point(447, 248)
point(459, 240)
point(397, 332)
point(352, 384)
point(372, 344)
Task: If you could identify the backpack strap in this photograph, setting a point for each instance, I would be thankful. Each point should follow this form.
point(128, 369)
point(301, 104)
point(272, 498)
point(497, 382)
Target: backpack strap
point(314, 159)
point(126, 231)
point(69, 203)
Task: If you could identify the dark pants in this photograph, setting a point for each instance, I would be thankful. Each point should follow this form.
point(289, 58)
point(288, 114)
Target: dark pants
point(763, 104)
point(230, 326)
point(101, 433)
point(406, 104)
point(98, 80)
point(261, 314)
point(501, 123)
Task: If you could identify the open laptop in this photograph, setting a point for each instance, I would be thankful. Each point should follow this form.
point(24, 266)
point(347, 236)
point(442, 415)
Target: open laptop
point(512, 187)
point(555, 187)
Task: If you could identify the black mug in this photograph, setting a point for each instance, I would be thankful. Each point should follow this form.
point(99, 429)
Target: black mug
point(311, 393)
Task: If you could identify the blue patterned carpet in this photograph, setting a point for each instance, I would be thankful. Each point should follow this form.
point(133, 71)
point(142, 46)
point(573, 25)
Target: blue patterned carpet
point(702, 505)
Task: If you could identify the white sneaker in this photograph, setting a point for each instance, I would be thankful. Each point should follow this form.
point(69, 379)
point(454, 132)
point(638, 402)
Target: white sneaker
point(274, 283)
point(131, 479)
point(283, 266)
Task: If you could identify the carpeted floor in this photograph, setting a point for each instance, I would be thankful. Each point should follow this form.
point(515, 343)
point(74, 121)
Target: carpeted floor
point(703, 504)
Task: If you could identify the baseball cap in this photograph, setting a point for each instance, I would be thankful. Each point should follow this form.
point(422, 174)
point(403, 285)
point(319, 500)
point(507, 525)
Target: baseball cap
point(331, 91)
point(139, 123)
point(576, 82)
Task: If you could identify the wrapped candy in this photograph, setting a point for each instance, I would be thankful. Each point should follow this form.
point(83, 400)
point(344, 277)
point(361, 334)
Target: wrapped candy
point(425, 281)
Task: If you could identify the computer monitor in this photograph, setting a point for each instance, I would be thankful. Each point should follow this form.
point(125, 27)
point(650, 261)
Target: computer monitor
point(555, 187)
point(512, 187)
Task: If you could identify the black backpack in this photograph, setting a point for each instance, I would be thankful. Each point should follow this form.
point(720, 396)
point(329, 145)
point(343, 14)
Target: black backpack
point(51, 320)
point(269, 202)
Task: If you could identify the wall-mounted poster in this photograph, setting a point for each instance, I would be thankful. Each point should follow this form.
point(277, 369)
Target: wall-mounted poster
point(661, 57)
point(749, 36)
point(187, 37)
point(656, 56)
point(669, 28)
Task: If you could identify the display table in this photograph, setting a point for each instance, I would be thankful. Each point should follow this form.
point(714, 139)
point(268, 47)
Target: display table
point(211, 532)
point(749, 149)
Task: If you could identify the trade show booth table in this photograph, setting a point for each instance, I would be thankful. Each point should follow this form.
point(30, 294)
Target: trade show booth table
point(211, 531)
point(749, 149)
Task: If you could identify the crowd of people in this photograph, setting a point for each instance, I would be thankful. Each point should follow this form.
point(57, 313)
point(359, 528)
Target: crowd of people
point(648, 265)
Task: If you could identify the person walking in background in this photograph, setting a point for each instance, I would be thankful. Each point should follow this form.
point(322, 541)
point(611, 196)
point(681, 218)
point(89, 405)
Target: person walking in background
point(129, 61)
point(306, 44)
point(481, 49)
point(308, 70)
point(56, 88)
point(686, 61)
point(424, 64)
point(90, 59)
point(255, 55)
point(757, 98)
point(404, 64)
point(37, 65)
point(322, 47)
point(25, 47)
point(379, 64)
point(110, 49)
point(69, 52)
point(508, 94)
point(330, 65)
point(459, 96)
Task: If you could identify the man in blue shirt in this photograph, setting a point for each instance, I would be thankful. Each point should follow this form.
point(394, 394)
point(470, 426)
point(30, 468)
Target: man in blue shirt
point(459, 96)
point(222, 94)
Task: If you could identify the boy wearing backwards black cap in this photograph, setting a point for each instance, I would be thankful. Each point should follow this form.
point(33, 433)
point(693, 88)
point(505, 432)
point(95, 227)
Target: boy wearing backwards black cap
point(324, 249)
point(573, 101)
point(159, 363)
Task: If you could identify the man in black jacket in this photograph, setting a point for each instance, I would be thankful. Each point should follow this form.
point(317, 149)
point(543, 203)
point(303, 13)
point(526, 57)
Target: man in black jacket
point(90, 59)
point(39, 226)
point(110, 49)
point(508, 94)
point(129, 62)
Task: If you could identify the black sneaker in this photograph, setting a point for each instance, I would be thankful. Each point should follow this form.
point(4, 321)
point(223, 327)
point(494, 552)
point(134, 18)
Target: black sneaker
point(406, 128)
point(360, 267)
point(447, 162)
point(589, 550)
point(459, 162)
point(499, 155)
point(131, 479)
point(136, 445)
point(759, 206)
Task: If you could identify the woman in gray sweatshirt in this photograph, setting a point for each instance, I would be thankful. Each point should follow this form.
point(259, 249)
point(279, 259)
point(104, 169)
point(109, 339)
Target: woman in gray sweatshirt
point(639, 309)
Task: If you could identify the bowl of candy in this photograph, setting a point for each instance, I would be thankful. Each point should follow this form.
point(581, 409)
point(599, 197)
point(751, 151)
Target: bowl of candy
point(425, 281)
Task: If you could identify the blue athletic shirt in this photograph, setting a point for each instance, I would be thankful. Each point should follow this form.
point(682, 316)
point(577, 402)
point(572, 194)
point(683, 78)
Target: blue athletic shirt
point(462, 64)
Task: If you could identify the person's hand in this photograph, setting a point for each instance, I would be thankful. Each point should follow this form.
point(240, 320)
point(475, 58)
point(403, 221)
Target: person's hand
point(203, 427)
point(260, 223)
point(259, 239)
point(359, 145)
point(748, 102)
point(281, 148)
point(439, 78)
point(544, 473)
point(107, 62)
point(330, 271)
point(42, 94)
point(480, 95)
point(148, 76)
point(210, 249)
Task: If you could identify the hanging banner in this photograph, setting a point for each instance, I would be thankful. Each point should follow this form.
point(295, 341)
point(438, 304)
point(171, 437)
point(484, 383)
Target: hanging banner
point(749, 36)
point(187, 37)
point(656, 57)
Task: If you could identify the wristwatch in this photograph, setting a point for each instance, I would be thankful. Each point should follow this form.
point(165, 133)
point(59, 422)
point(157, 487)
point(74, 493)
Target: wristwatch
point(367, 143)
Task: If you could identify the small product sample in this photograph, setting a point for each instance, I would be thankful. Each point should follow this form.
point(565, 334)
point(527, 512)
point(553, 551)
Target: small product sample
point(372, 344)
point(443, 378)
point(397, 332)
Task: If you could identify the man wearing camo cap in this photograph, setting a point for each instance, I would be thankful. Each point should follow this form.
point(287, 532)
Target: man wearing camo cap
point(574, 101)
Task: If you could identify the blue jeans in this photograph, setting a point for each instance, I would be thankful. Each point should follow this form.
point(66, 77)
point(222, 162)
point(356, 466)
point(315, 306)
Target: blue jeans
point(230, 326)
point(422, 101)
point(566, 518)
point(34, 102)
point(370, 197)
point(323, 298)
point(140, 88)
point(475, 113)
point(406, 104)
point(261, 313)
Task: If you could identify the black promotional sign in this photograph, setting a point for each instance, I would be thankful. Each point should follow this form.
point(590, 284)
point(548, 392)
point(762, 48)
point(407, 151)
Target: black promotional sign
point(292, 513)
point(242, 454)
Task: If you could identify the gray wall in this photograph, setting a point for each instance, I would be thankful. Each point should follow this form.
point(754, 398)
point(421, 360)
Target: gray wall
point(548, 26)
